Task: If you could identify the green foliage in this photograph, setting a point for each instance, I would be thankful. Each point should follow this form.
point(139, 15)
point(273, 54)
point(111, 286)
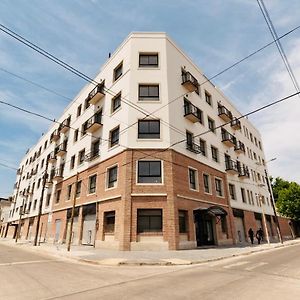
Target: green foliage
point(288, 198)
point(278, 184)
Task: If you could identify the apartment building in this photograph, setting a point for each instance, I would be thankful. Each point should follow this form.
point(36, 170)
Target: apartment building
point(152, 155)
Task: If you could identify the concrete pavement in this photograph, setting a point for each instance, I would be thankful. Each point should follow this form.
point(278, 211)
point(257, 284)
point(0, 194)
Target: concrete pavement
point(164, 258)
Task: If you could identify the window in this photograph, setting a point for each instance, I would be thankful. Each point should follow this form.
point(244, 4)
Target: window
point(182, 214)
point(114, 137)
point(189, 138)
point(109, 222)
point(149, 172)
point(259, 145)
point(243, 195)
point(206, 182)
point(95, 149)
point(215, 154)
point(208, 98)
point(78, 189)
point(149, 220)
point(79, 110)
point(203, 147)
point(219, 187)
point(39, 183)
point(57, 196)
point(149, 129)
point(148, 92)
point(42, 163)
point(211, 124)
point(81, 157)
point(112, 175)
point(76, 135)
point(92, 184)
point(116, 103)
point(34, 205)
point(69, 191)
point(193, 179)
point(118, 71)
point(45, 145)
point(232, 191)
point(86, 103)
point(148, 60)
point(248, 195)
point(72, 162)
point(48, 197)
point(251, 197)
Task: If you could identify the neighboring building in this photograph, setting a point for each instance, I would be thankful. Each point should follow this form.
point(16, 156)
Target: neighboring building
point(5, 204)
point(137, 187)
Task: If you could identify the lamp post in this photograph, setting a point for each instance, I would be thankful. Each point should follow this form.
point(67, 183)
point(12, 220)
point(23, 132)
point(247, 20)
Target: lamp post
point(263, 213)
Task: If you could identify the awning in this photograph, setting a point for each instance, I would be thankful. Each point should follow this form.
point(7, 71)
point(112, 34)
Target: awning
point(217, 211)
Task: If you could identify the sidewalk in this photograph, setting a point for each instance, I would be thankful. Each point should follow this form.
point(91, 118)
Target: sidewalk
point(97, 256)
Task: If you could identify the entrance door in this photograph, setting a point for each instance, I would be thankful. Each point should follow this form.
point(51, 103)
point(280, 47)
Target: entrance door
point(88, 231)
point(205, 228)
point(57, 230)
point(240, 230)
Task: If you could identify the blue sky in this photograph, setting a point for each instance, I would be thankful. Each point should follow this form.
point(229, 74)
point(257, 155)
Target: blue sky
point(213, 33)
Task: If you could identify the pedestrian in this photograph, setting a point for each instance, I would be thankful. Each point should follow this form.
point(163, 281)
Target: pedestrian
point(259, 235)
point(251, 235)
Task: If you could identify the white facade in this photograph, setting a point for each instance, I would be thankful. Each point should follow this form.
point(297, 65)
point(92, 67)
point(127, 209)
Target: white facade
point(169, 109)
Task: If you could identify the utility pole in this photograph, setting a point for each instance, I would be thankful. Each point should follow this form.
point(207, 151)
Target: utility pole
point(21, 212)
point(273, 206)
point(72, 214)
point(15, 201)
point(40, 206)
point(264, 217)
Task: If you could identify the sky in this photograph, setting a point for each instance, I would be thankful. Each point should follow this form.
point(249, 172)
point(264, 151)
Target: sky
point(213, 33)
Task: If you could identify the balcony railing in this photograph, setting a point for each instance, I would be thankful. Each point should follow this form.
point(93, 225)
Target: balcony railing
point(193, 147)
point(61, 149)
point(94, 123)
point(189, 81)
point(64, 126)
point(224, 113)
point(92, 155)
point(52, 157)
point(231, 166)
point(58, 175)
point(49, 180)
point(96, 94)
point(236, 124)
point(239, 147)
point(244, 172)
point(228, 139)
point(54, 136)
point(192, 112)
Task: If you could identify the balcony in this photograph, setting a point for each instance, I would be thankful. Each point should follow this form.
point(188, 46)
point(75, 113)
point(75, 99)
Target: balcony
point(58, 175)
point(224, 113)
point(52, 157)
point(189, 81)
point(239, 147)
point(54, 137)
point(94, 123)
point(236, 124)
point(244, 172)
point(193, 147)
point(92, 155)
point(49, 181)
point(64, 126)
point(228, 139)
point(61, 149)
point(96, 94)
point(231, 167)
point(191, 112)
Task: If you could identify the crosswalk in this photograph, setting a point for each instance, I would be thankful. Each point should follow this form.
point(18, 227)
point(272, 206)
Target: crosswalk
point(240, 265)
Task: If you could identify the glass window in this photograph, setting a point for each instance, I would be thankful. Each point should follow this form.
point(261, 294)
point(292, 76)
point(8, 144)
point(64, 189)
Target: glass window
point(69, 191)
point(76, 135)
point(72, 162)
point(81, 156)
point(148, 60)
point(211, 124)
point(243, 195)
point(57, 196)
point(92, 184)
point(48, 197)
point(193, 179)
point(149, 129)
point(109, 222)
point(114, 137)
point(149, 172)
point(86, 103)
point(182, 214)
point(232, 191)
point(148, 92)
point(214, 153)
point(118, 71)
point(208, 98)
point(112, 177)
point(79, 110)
point(95, 148)
point(116, 102)
point(149, 220)
point(206, 182)
point(78, 189)
point(203, 147)
point(219, 187)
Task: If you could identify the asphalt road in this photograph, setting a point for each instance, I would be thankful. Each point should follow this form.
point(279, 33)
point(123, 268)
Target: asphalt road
point(268, 275)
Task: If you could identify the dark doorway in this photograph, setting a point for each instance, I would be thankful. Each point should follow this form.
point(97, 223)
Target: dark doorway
point(205, 228)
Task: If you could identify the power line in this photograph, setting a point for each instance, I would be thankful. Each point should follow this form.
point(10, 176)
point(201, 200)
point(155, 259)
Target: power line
point(7, 166)
point(273, 32)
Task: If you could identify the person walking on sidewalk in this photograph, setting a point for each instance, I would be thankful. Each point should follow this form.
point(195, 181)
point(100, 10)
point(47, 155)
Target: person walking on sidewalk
point(259, 235)
point(251, 235)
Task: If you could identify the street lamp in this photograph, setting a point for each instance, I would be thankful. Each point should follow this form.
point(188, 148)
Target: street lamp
point(263, 212)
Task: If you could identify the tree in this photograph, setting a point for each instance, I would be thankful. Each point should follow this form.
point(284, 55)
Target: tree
point(278, 184)
point(288, 202)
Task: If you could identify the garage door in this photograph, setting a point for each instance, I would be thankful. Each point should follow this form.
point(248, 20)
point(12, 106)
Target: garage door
point(240, 230)
point(88, 232)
